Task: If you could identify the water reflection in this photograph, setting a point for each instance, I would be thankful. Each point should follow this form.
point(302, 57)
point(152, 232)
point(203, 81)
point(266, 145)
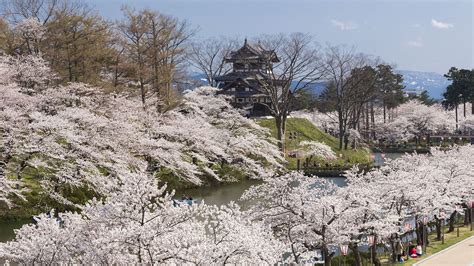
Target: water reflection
point(379, 157)
point(219, 195)
point(224, 194)
point(8, 227)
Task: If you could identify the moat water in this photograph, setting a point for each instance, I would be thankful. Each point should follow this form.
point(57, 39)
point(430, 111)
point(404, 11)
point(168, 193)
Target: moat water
point(217, 195)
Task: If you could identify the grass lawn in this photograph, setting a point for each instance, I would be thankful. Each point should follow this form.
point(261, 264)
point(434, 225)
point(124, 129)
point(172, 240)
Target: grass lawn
point(449, 240)
point(436, 246)
point(305, 130)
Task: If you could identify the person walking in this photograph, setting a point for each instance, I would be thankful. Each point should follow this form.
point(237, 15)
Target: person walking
point(399, 250)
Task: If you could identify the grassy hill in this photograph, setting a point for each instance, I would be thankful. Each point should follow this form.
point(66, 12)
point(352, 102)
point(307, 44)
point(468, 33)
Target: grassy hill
point(305, 130)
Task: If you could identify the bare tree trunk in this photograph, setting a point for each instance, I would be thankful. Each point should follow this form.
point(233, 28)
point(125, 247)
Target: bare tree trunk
point(467, 216)
point(367, 121)
point(341, 132)
point(384, 112)
point(327, 256)
point(394, 250)
point(419, 233)
point(142, 93)
point(356, 254)
point(452, 219)
point(457, 117)
point(374, 258)
point(464, 107)
point(438, 229)
point(372, 117)
point(346, 141)
point(280, 125)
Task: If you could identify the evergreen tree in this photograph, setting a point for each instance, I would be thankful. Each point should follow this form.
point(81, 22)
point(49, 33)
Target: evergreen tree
point(390, 88)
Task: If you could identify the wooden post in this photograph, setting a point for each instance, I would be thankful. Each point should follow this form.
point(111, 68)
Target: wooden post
point(298, 164)
point(471, 212)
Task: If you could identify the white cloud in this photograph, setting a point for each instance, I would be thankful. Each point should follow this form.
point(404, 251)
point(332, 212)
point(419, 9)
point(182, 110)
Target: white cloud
point(418, 43)
point(344, 25)
point(441, 25)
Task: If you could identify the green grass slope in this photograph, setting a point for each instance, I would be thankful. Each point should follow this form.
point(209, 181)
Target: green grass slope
point(305, 130)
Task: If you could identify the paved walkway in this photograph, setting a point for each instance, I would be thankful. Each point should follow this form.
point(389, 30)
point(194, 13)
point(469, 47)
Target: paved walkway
point(459, 254)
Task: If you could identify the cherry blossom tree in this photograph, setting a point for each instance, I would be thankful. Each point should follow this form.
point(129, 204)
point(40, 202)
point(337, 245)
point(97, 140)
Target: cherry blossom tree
point(317, 150)
point(326, 121)
point(303, 211)
point(424, 118)
point(29, 72)
point(139, 223)
point(30, 33)
point(369, 213)
point(76, 136)
point(354, 138)
point(413, 187)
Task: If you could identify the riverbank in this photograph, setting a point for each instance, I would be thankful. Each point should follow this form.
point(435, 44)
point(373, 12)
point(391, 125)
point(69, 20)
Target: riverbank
point(38, 201)
point(216, 195)
point(300, 129)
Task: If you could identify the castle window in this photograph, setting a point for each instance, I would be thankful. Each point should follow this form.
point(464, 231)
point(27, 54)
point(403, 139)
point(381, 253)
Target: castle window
point(232, 89)
point(240, 100)
point(247, 89)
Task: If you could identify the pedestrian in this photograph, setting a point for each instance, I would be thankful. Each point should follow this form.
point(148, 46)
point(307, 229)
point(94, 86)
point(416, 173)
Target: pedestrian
point(399, 250)
point(419, 250)
point(413, 252)
point(190, 201)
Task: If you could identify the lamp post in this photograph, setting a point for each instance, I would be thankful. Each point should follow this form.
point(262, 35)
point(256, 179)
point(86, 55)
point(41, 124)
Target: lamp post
point(344, 250)
point(371, 241)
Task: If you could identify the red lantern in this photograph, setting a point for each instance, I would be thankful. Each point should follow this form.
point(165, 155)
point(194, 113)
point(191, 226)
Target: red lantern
point(371, 240)
point(344, 249)
point(470, 204)
point(442, 215)
point(425, 220)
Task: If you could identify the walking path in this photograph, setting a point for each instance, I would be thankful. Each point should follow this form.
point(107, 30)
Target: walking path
point(459, 254)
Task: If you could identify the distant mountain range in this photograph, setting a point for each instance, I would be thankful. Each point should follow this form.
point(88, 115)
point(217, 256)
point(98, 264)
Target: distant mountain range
point(435, 84)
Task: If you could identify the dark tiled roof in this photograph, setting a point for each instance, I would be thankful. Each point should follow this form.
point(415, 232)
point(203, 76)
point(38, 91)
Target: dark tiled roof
point(239, 75)
point(256, 49)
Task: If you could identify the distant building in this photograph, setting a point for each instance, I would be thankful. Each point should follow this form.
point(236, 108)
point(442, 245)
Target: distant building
point(250, 64)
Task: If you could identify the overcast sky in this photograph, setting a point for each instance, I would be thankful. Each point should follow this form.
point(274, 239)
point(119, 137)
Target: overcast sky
point(414, 34)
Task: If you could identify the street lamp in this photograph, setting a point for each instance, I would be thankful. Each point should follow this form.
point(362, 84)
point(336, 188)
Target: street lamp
point(344, 250)
point(408, 227)
point(371, 241)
